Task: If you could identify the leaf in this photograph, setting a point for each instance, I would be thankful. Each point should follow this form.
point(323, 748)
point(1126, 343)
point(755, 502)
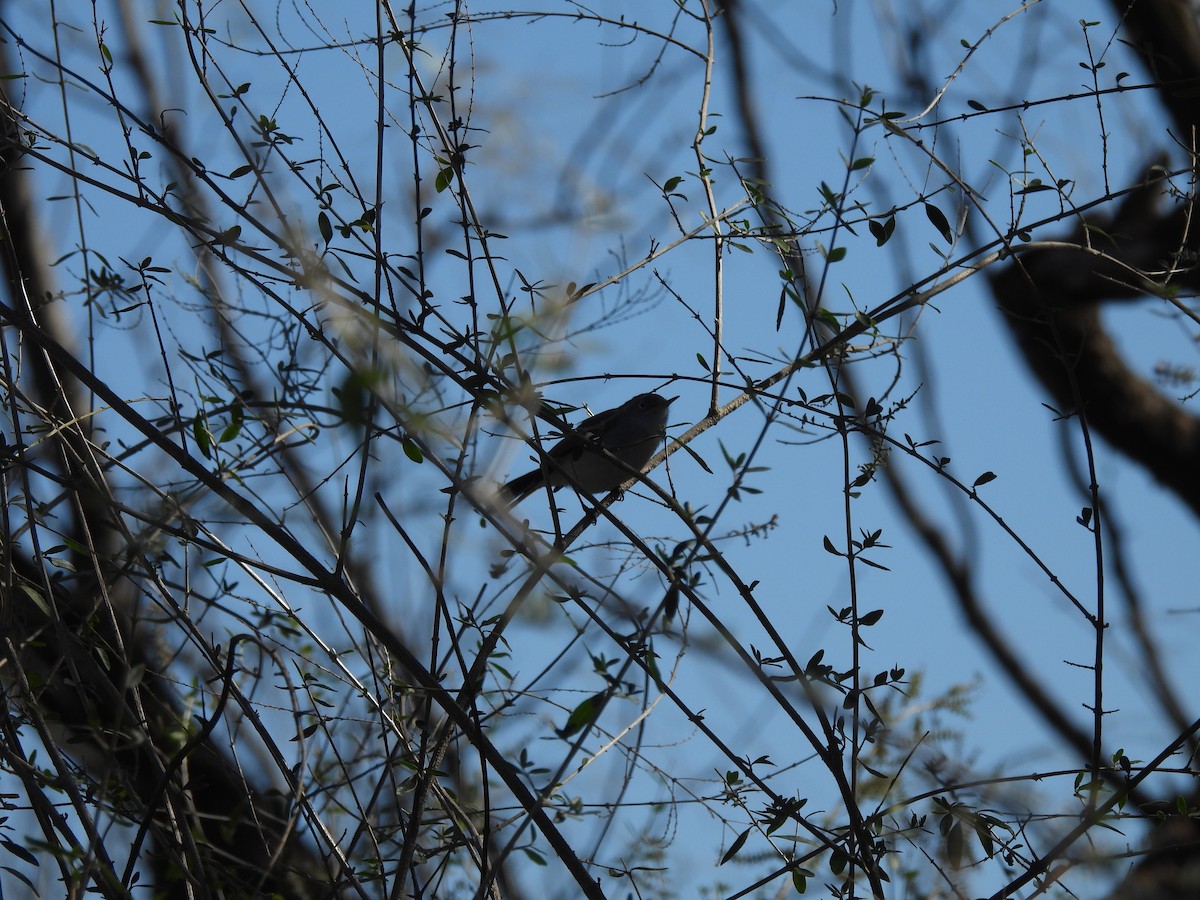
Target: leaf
point(882, 231)
point(937, 218)
point(229, 236)
point(985, 839)
point(33, 594)
point(687, 448)
point(412, 451)
point(874, 772)
point(534, 856)
point(1036, 185)
point(583, 715)
point(737, 845)
point(18, 850)
point(29, 884)
point(324, 227)
point(954, 845)
point(870, 618)
point(838, 861)
point(830, 548)
point(203, 438)
point(984, 479)
point(799, 881)
point(574, 293)
point(231, 431)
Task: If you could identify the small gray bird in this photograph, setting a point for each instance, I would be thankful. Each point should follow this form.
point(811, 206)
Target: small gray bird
point(632, 433)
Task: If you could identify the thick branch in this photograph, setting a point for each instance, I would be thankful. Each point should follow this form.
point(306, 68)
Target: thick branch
point(1051, 300)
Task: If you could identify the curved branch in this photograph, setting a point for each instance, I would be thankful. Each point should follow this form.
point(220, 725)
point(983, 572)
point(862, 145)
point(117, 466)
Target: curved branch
point(1051, 300)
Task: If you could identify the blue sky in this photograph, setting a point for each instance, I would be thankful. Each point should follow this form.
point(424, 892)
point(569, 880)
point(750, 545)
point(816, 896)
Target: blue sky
point(566, 133)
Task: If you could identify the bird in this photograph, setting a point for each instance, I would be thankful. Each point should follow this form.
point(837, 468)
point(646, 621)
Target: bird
point(631, 432)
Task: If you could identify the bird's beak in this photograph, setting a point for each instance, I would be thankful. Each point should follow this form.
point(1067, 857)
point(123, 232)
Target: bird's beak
point(671, 400)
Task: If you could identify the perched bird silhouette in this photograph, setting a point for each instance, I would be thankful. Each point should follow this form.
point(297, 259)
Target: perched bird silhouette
point(631, 432)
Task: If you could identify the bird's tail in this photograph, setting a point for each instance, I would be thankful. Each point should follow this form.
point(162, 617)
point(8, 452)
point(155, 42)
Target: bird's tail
point(521, 487)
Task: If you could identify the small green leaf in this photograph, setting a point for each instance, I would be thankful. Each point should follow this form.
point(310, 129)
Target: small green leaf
point(534, 856)
point(203, 438)
point(800, 880)
point(234, 428)
point(412, 451)
point(583, 715)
